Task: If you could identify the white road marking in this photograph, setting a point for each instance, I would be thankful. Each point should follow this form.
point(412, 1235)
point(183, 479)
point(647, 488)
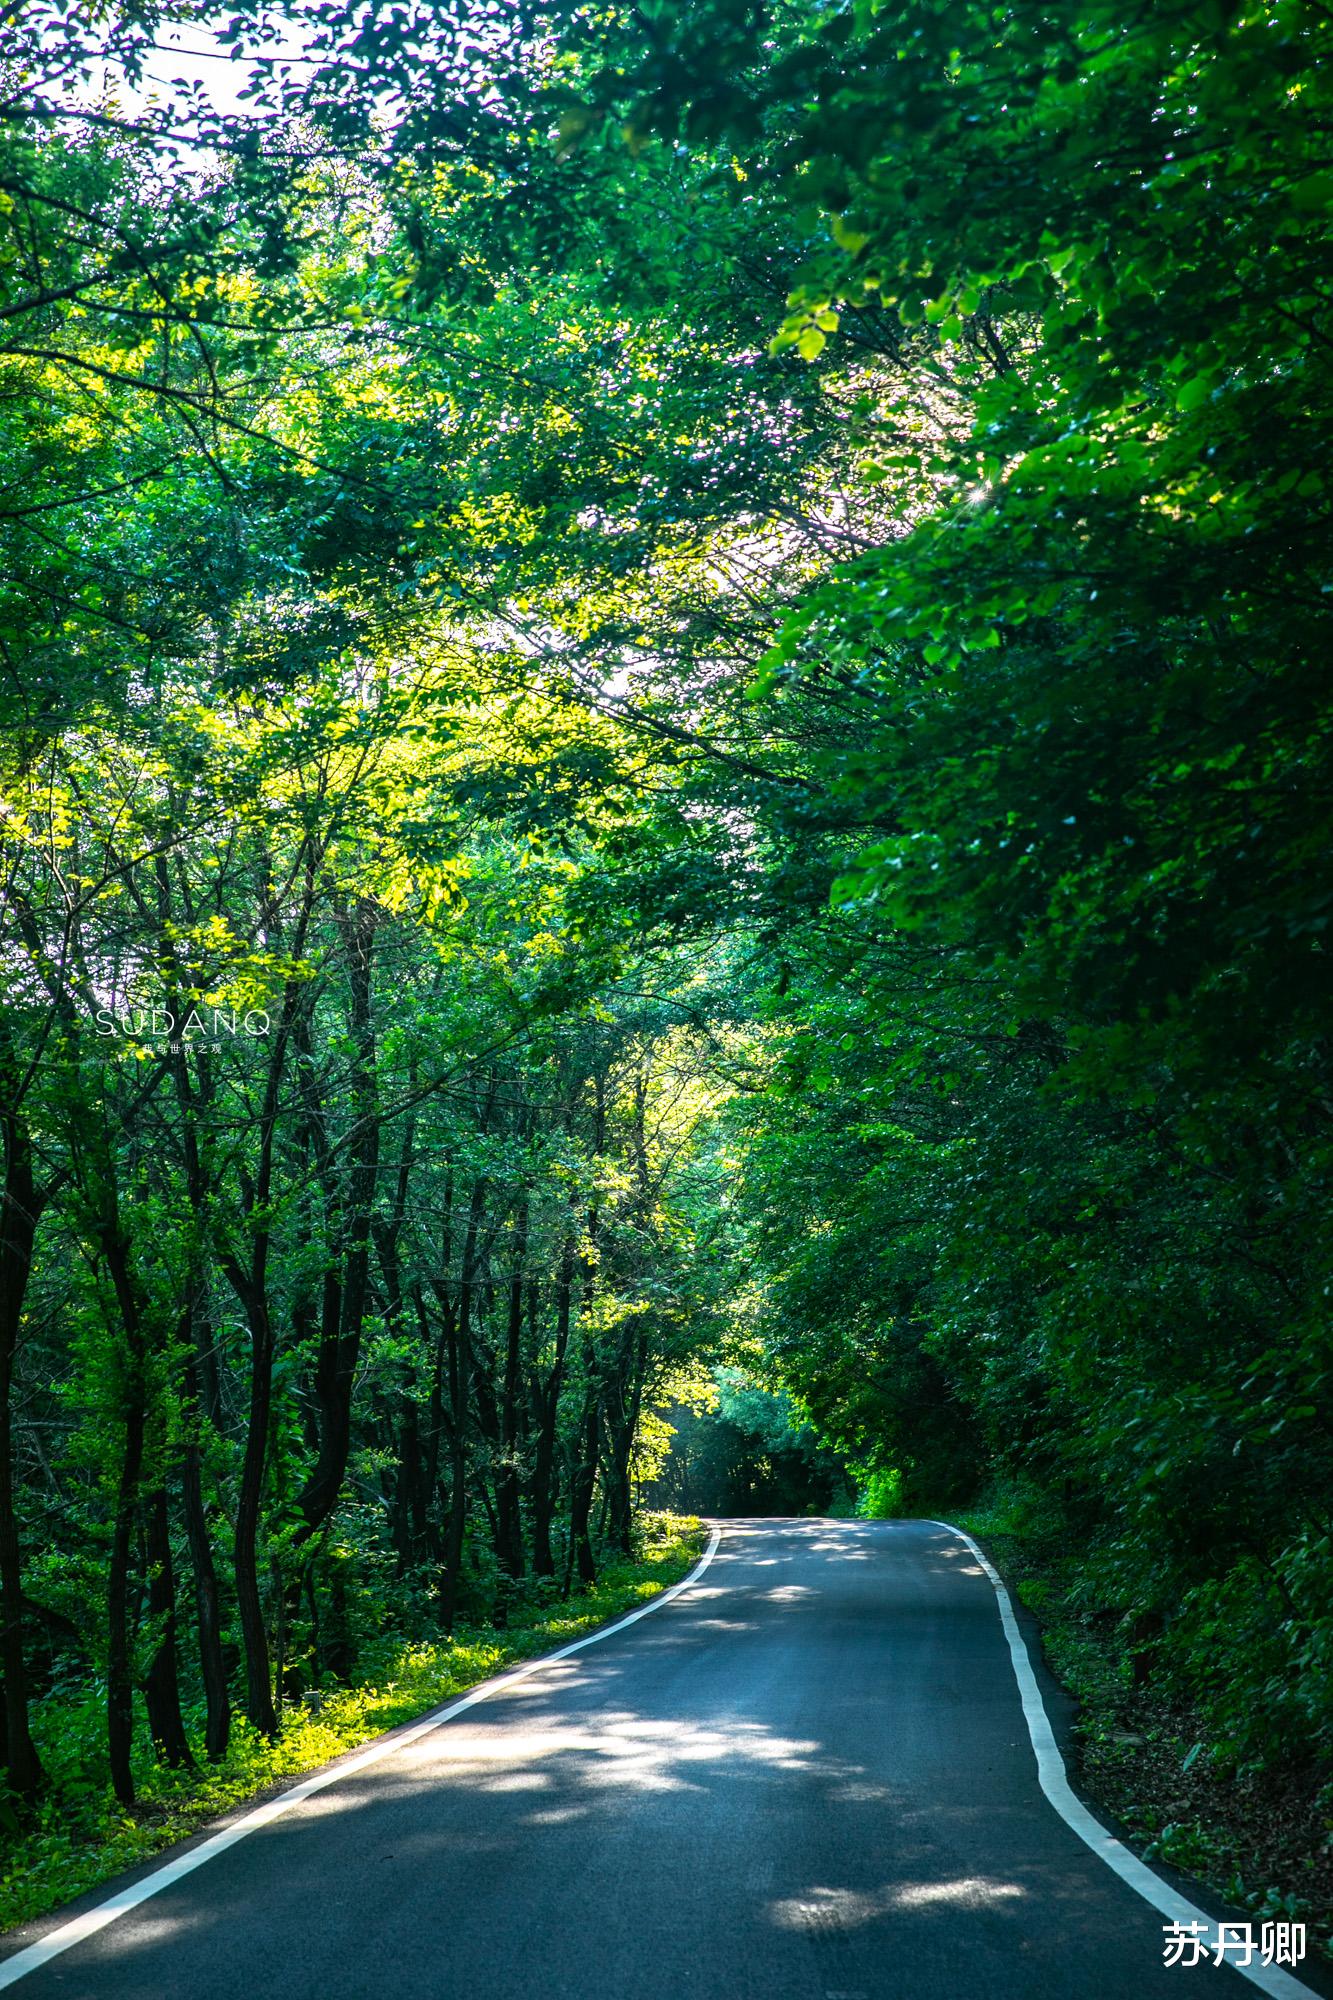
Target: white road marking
point(1054, 1781)
point(94, 1920)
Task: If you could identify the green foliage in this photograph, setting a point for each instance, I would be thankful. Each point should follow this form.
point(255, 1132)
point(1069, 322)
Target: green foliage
point(748, 1450)
point(880, 1495)
point(1041, 1177)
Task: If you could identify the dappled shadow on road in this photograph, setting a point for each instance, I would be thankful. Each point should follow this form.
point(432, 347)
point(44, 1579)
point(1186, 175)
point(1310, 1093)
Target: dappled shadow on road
point(618, 1751)
point(794, 1541)
point(847, 1908)
point(526, 1825)
point(923, 1544)
point(950, 1556)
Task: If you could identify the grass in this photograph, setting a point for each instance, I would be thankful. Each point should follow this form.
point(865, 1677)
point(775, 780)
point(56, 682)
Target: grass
point(80, 1836)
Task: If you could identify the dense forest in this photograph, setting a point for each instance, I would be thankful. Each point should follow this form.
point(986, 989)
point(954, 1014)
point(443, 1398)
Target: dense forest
point(665, 784)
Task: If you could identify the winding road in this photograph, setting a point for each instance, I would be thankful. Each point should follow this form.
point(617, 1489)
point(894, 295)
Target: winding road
point(812, 1774)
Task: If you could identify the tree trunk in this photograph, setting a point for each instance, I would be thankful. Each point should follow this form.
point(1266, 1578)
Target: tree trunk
point(163, 1684)
point(456, 1329)
point(547, 1401)
point(19, 1216)
point(203, 1393)
point(345, 1299)
point(251, 1288)
point(119, 1683)
point(622, 1422)
point(508, 1486)
point(217, 1728)
point(581, 1486)
point(249, 1605)
point(119, 1678)
point(583, 1476)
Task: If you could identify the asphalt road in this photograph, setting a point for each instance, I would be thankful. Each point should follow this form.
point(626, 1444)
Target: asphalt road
point(807, 1778)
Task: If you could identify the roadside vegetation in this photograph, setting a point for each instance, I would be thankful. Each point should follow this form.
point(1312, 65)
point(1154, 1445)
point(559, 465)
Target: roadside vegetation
point(1259, 1834)
point(81, 1836)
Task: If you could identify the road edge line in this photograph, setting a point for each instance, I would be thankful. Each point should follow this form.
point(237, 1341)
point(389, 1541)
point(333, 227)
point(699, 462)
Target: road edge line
point(1053, 1778)
point(79, 1929)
